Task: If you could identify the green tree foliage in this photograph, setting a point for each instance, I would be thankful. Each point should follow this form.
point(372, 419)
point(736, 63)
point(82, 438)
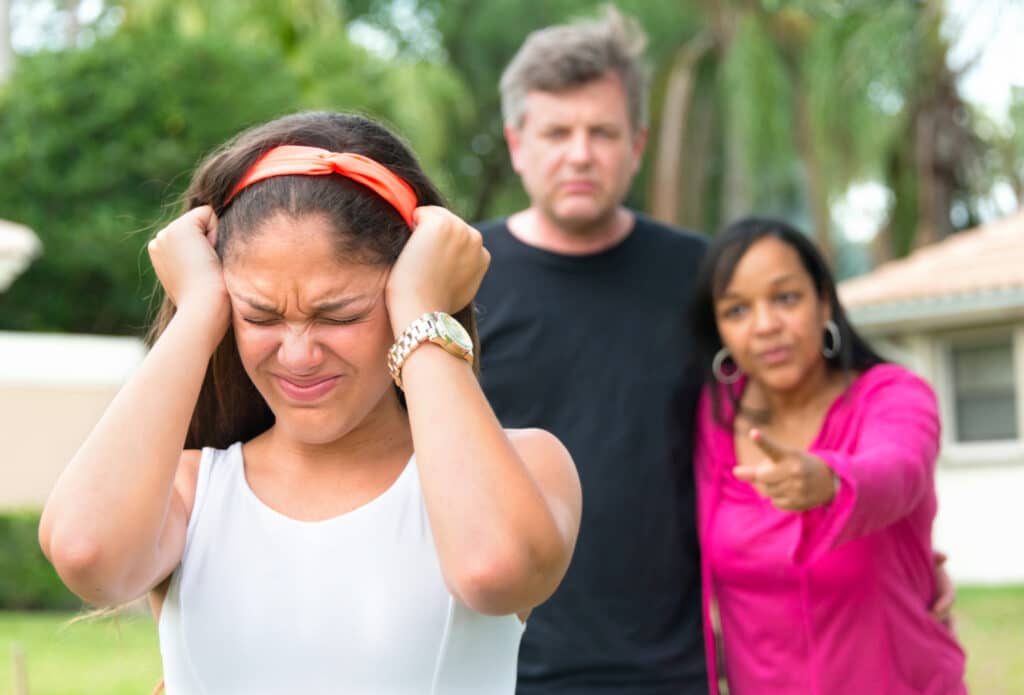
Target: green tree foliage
point(1015, 144)
point(476, 40)
point(1003, 160)
point(101, 141)
point(767, 106)
point(98, 143)
point(760, 119)
point(784, 105)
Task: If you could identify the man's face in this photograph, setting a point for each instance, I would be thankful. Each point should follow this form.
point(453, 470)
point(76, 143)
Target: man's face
point(577, 153)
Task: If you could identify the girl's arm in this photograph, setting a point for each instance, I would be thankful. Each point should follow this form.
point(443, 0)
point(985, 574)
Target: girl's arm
point(504, 507)
point(114, 524)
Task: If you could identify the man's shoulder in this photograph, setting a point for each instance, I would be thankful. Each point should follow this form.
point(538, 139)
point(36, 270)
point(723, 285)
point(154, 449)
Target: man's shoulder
point(497, 237)
point(659, 232)
point(492, 227)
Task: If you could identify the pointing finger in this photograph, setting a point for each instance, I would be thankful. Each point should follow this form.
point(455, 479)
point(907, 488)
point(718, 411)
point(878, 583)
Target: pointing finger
point(773, 450)
point(747, 474)
point(768, 472)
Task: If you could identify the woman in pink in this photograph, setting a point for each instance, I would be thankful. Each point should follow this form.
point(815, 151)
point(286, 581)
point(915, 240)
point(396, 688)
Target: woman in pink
point(815, 476)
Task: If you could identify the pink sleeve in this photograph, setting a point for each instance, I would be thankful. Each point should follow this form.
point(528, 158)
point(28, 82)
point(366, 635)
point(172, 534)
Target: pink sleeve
point(887, 470)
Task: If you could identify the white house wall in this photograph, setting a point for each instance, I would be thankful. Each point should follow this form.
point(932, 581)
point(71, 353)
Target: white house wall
point(53, 390)
point(980, 522)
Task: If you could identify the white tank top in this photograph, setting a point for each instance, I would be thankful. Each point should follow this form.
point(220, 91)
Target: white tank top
point(263, 603)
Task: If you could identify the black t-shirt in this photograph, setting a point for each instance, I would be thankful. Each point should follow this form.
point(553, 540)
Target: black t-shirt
point(596, 349)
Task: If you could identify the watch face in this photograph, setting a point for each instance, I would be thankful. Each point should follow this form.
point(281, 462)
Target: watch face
point(452, 330)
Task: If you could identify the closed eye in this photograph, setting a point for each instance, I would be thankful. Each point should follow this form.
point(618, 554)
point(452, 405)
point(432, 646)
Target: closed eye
point(340, 321)
point(260, 322)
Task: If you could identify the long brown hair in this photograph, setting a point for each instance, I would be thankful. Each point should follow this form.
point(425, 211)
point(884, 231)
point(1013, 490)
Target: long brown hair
point(367, 229)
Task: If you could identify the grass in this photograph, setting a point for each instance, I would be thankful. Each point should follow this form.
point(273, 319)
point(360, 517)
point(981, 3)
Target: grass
point(121, 657)
point(109, 656)
point(990, 625)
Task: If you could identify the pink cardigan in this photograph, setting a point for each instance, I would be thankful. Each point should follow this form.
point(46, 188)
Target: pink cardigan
point(834, 600)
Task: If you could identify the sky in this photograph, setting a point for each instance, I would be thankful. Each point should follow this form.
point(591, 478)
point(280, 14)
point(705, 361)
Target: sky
point(992, 31)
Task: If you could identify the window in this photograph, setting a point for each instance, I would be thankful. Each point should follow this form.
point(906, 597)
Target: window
point(984, 386)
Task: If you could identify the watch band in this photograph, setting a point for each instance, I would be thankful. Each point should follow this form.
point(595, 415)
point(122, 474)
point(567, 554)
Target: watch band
point(426, 327)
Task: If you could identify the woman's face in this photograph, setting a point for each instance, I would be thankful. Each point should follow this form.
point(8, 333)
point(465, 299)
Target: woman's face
point(312, 331)
point(771, 317)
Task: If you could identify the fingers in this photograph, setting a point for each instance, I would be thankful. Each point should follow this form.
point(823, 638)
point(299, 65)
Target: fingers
point(771, 448)
point(747, 474)
point(202, 219)
point(942, 609)
point(944, 588)
point(792, 479)
point(212, 225)
point(442, 264)
point(765, 472)
point(766, 477)
point(185, 259)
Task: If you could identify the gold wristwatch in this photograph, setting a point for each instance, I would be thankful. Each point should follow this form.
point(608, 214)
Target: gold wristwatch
point(437, 327)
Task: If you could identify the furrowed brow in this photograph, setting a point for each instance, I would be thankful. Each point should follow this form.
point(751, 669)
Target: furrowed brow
point(336, 305)
point(258, 306)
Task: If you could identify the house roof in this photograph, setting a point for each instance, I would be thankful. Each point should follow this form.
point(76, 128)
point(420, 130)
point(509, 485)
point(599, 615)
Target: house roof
point(978, 271)
point(18, 245)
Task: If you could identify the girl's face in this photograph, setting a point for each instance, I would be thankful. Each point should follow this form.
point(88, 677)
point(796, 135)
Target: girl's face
point(312, 331)
point(771, 317)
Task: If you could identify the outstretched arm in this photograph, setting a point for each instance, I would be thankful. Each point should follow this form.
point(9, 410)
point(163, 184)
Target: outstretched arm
point(114, 524)
point(846, 494)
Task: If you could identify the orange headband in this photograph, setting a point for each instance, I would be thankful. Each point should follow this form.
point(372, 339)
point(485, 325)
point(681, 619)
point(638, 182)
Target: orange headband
point(286, 160)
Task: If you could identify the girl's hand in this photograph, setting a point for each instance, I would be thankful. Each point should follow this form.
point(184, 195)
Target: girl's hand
point(793, 480)
point(187, 265)
point(439, 269)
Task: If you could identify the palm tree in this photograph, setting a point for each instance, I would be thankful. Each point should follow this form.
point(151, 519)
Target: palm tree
point(780, 107)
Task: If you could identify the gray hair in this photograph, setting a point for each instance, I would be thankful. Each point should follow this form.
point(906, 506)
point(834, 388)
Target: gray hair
point(564, 56)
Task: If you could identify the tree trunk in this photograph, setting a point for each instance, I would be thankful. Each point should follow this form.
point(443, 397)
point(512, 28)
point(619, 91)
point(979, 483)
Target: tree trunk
point(944, 148)
point(792, 29)
point(927, 187)
point(493, 175)
point(817, 187)
point(671, 140)
point(693, 213)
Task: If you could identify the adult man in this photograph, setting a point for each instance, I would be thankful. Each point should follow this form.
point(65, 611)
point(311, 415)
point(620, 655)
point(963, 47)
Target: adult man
point(583, 321)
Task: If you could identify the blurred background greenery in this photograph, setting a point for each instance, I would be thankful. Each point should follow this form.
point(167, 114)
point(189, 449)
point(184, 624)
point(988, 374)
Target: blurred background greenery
point(761, 105)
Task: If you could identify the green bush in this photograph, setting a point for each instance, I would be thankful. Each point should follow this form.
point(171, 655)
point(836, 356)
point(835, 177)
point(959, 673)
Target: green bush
point(97, 143)
point(27, 579)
